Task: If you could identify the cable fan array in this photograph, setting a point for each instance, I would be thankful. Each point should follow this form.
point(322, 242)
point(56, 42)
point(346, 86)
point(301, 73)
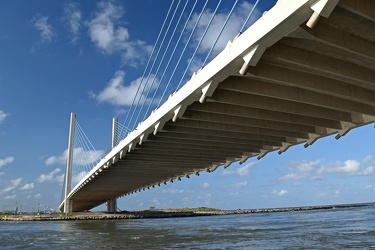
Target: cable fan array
point(190, 36)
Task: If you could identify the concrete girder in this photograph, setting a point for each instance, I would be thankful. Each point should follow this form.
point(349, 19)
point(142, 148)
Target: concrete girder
point(312, 140)
point(323, 49)
point(299, 96)
point(218, 139)
point(289, 55)
point(215, 166)
point(189, 152)
point(158, 126)
point(351, 22)
point(122, 154)
point(178, 112)
point(114, 159)
point(229, 134)
point(131, 146)
point(227, 109)
point(246, 156)
point(189, 143)
point(363, 8)
point(158, 178)
point(208, 90)
point(176, 159)
point(252, 58)
point(353, 46)
point(143, 137)
point(240, 129)
point(268, 103)
point(228, 162)
point(297, 79)
point(321, 8)
point(285, 147)
point(250, 122)
point(266, 150)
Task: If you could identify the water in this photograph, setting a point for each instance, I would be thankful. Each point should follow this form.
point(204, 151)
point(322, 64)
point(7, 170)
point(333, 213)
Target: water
point(349, 228)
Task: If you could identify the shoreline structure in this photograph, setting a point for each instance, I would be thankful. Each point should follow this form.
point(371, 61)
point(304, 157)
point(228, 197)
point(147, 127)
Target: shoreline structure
point(165, 213)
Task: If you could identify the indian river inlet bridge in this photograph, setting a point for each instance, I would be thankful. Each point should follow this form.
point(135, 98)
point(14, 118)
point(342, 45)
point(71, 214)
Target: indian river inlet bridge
point(287, 73)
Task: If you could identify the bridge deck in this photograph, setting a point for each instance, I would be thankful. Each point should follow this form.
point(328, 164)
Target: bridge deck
point(303, 84)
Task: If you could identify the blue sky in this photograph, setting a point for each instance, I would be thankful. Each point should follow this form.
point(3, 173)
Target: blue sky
point(87, 57)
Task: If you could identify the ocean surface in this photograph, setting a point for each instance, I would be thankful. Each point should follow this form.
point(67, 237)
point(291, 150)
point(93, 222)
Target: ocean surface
point(347, 228)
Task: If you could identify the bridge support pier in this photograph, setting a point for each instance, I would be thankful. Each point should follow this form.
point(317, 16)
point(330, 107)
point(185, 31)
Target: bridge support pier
point(112, 203)
point(112, 206)
point(69, 162)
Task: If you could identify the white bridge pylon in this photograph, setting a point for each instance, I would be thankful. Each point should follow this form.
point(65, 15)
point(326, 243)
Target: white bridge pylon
point(303, 71)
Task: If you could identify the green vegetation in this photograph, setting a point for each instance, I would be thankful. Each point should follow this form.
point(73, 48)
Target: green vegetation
point(191, 210)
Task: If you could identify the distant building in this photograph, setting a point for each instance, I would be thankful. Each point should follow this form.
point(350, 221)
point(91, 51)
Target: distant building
point(10, 209)
point(49, 210)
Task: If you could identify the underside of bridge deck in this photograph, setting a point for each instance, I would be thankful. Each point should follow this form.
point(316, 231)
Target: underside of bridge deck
point(311, 83)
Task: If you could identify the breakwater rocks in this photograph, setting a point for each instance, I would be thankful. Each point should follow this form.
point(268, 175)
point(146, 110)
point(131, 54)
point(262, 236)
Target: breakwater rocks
point(165, 213)
point(107, 216)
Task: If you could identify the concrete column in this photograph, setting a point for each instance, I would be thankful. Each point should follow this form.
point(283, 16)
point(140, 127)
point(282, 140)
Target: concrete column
point(69, 161)
point(112, 203)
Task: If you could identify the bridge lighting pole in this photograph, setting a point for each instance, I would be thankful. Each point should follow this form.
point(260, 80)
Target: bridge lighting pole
point(69, 161)
point(112, 203)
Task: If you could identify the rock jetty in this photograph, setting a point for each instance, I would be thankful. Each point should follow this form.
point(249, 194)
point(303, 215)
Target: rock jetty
point(163, 213)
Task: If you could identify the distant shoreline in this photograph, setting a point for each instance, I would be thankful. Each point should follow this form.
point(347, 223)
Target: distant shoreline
point(164, 213)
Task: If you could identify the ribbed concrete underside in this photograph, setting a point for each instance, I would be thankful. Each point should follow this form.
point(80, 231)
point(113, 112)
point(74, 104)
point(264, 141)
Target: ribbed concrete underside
point(309, 84)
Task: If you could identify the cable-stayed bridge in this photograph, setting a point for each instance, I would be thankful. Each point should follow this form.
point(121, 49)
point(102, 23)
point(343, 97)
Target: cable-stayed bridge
point(302, 71)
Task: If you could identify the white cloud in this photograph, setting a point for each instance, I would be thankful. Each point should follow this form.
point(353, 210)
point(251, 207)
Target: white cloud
point(120, 94)
point(77, 177)
point(80, 157)
point(205, 185)
point(13, 184)
point(280, 193)
point(16, 182)
point(242, 171)
point(238, 185)
point(351, 167)
point(60, 178)
point(35, 196)
point(48, 177)
point(173, 191)
point(306, 166)
point(83, 157)
point(27, 186)
point(367, 171)
point(204, 197)
point(110, 37)
point(41, 24)
point(293, 176)
point(313, 170)
point(10, 197)
point(235, 194)
point(155, 201)
point(3, 115)
point(6, 161)
point(38, 196)
point(231, 30)
point(73, 16)
point(321, 195)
